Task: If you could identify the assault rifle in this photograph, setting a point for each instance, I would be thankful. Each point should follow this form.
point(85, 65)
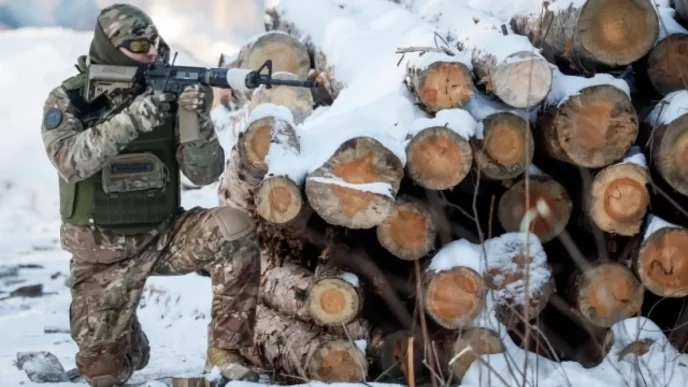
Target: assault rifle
point(168, 78)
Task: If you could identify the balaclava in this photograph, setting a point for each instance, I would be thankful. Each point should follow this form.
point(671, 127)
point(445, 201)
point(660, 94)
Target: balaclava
point(116, 24)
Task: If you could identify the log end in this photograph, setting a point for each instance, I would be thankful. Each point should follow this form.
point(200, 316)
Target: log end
point(522, 80)
point(666, 64)
point(299, 100)
point(595, 127)
point(617, 32)
point(454, 297)
point(338, 362)
point(608, 293)
point(409, 232)
point(512, 208)
point(333, 302)
point(278, 200)
point(671, 154)
point(619, 199)
point(473, 343)
point(355, 188)
point(438, 158)
point(662, 262)
point(506, 146)
point(287, 53)
point(443, 85)
point(394, 354)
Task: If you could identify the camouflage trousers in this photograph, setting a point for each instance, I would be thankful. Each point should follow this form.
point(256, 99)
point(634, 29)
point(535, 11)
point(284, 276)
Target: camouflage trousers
point(109, 271)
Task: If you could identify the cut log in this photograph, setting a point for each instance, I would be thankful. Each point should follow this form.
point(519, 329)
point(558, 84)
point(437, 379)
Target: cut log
point(278, 200)
point(269, 127)
point(670, 139)
point(297, 348)
point(505, 63)
point(519, 275)
point(287, 54)
point(662, 261)
point(589, 122)
point(592, 34)
point(619, 197)
point(409, 232)
point(440, 81)
point(439, 154)
point(606, 293)
point(668, 59)
point(356, 187)
point(284, 287)
point(299, 100)
point(190, 382)
point(453, 287)
point(470, 344)
point(391, 353)
point(336, 296)
point(513, 209)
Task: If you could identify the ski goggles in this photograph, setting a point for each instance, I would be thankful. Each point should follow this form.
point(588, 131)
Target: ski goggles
point(140, 45)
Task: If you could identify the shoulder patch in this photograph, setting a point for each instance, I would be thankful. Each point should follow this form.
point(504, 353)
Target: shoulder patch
point(52, 118)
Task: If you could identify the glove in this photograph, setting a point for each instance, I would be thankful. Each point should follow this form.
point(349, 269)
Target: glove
point(150, 110)
point(197, 98)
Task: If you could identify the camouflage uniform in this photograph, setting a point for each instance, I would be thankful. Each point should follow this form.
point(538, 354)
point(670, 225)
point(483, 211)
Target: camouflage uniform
point(110, 265)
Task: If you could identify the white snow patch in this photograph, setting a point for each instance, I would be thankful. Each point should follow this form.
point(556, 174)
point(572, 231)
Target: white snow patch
point(535, 171)
point(566, 86)
point(635, 156)
point(430, 57)
point(667, 22)
point(655, 223)
point(670, 108)
point(350, 278)
point(361, 345)
point(459, 253)
point(457, 120)
point(377, 188)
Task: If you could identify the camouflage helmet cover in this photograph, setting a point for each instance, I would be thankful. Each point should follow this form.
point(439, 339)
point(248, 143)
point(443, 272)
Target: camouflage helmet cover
point(122, 22)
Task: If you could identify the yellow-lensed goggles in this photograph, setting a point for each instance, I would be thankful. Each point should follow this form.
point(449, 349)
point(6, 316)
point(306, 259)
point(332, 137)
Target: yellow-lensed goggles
point(139, 46)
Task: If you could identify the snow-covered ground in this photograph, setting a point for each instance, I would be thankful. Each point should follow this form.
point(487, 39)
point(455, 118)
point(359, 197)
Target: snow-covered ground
point(175, 310)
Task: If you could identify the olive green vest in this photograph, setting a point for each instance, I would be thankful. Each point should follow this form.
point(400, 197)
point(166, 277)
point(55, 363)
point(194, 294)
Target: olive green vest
point(134, 193)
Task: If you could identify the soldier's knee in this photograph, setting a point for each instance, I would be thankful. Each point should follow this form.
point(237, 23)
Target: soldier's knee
point(231, 224)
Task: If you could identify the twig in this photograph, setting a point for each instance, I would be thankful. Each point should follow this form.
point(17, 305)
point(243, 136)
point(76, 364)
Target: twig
point(442, 50)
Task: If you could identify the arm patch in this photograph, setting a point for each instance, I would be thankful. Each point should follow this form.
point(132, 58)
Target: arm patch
point(52, 118)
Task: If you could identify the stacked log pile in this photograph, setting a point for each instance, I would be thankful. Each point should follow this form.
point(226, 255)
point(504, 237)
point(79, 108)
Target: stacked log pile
point(464, 186)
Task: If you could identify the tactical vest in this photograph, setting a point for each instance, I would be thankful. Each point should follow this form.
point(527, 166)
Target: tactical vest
point(136, 191)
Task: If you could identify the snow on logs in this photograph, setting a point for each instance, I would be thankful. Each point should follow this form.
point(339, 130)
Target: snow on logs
point(668, 60)
point(589, 122)
point(662, 261)
point(508, 64)
point(589, 34)
point(669, 123)
point(460, 275)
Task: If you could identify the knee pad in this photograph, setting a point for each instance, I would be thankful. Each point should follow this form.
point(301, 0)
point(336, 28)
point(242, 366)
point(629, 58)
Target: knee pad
point(232, 223)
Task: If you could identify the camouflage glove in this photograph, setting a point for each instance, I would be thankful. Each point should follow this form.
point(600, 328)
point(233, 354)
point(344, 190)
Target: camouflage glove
point(150, 110)
point(197, 98)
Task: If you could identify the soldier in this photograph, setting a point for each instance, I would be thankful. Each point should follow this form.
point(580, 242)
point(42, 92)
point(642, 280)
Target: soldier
point(119, 164)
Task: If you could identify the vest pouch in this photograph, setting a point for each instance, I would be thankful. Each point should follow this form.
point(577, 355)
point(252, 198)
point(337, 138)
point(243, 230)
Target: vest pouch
point(134, 172)
point(67, 198)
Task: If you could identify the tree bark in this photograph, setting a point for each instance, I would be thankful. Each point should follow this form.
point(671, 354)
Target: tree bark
point(681, 7)
point(619, 198)
point(592, 129)
point(670, 140)
point(409, 232)
point(661, 260)
point(512, 208)
point(454, 297)
point(593, 34)
point(356, 187)
point(606, 293)
point(297, 348)
point(442, 84)
point(438, 158)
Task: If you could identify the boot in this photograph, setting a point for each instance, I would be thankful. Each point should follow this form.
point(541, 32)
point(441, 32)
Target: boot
point(232, 365)
point(140, 349)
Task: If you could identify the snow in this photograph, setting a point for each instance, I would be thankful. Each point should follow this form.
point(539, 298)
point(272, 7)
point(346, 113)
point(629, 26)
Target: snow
point(566, 86)
point(350, 278)
point(667, 24)
point(535, 171)
point(654, 224)
point(457, 120)
point(425, 60)
point(670, 108)
point(635, 156)
point(459, 253)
